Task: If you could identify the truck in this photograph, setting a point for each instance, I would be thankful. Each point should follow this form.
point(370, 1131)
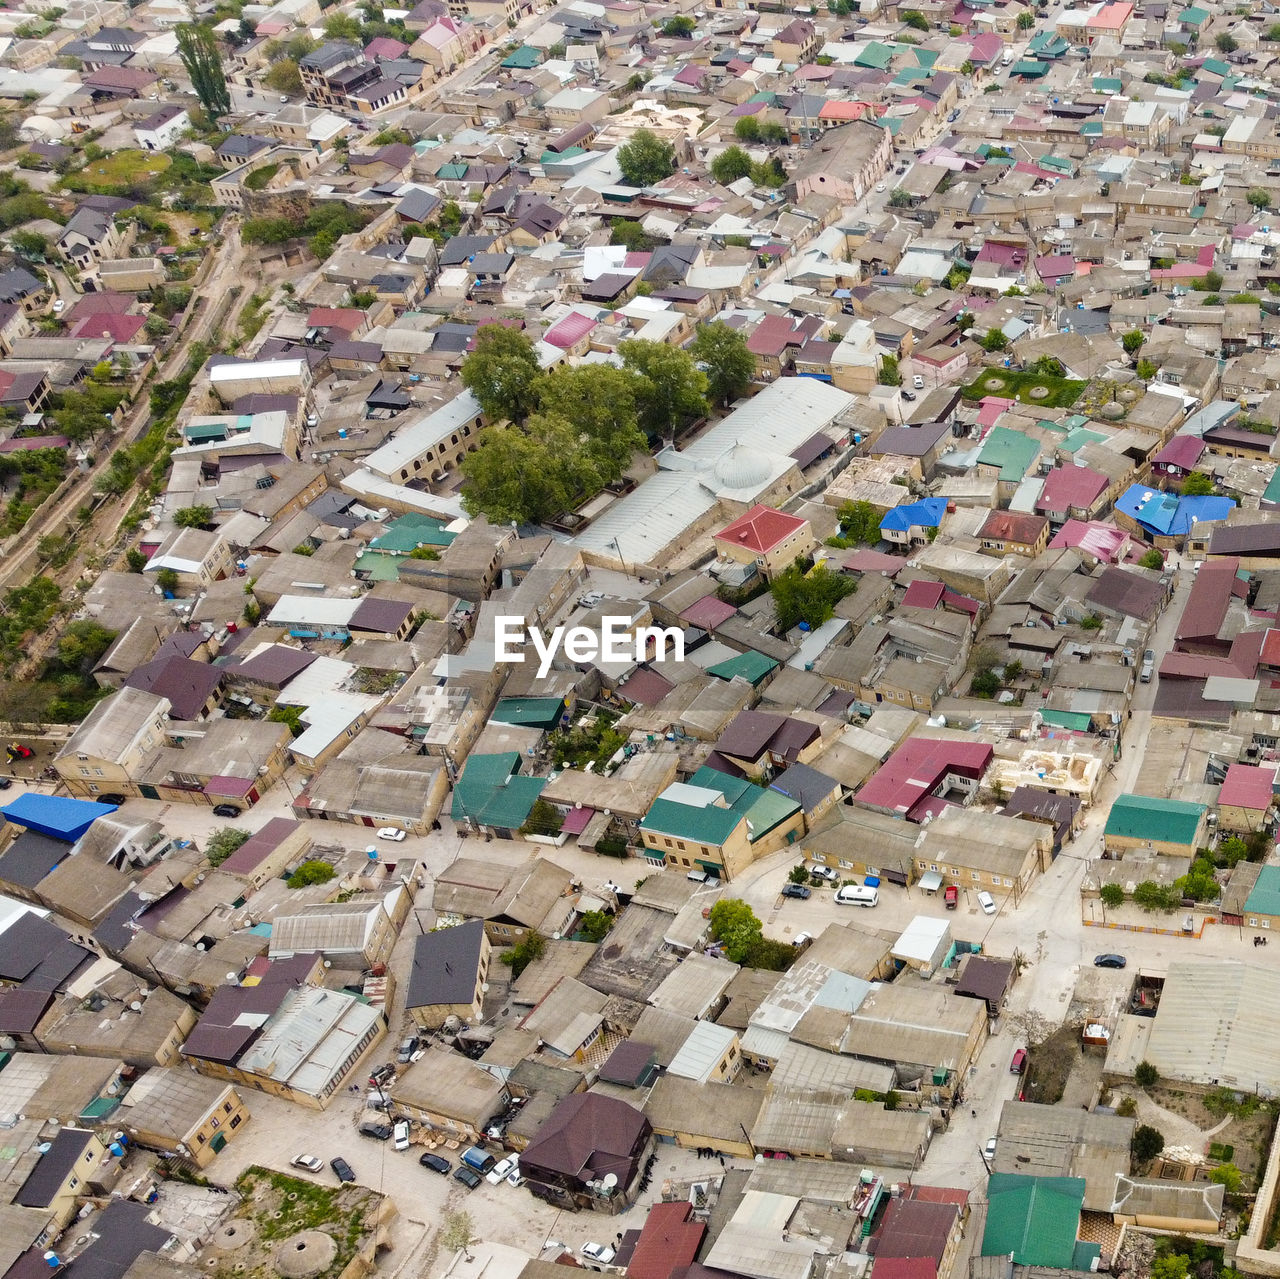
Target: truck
point(951, 895)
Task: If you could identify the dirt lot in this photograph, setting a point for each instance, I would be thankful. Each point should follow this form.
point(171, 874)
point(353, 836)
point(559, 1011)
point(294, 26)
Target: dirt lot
point(1247, 1134)
point(1049, 1065)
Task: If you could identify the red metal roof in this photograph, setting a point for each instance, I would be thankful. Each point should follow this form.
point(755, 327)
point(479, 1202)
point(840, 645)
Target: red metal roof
point(708, 613)
point(912, 772)
point(923, 594)
point(669, 1241)
point(760, 529)
point(1068, 486)
point(573, 328)
point(1247, 786)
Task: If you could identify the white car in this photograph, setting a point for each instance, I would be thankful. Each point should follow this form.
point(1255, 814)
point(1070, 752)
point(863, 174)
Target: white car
point(284, 97)
point(59, 304)
point(918, 382)
point(599, 1252)
point(400, 1135)
point(879, 186)
point(499, 1172)
point(309, 1162)
point(987, 902)
point(990, 1148)
point(391, 833)
point(824, 872)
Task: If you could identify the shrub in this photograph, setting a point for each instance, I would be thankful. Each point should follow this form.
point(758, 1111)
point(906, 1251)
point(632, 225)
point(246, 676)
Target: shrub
point(1145, 1074)
point(311, 872)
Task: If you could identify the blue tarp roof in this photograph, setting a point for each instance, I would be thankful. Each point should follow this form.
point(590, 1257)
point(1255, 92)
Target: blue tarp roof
point(1167, 514)
point(55, 816)
point(927, 513)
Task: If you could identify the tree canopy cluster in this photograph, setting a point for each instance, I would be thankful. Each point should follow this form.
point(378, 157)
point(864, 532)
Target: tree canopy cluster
point(574, 429)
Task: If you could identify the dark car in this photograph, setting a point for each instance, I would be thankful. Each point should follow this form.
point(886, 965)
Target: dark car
point(795, 890)
point(381, 1132)
point(1109, 961)
point(226, 810)
point(437, 1163)
point(5, 783)
point(407, 1048)
point(111, 798)
point(467, 1176)
point(906, 395)
point(342, 1169)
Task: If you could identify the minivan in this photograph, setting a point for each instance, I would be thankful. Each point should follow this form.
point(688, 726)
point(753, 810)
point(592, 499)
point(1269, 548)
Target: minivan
point(480, 1160)
point(1019, 1062)
point(856, 895)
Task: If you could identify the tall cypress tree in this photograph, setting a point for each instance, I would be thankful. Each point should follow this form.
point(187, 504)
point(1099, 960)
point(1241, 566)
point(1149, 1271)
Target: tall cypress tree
point(199, 53)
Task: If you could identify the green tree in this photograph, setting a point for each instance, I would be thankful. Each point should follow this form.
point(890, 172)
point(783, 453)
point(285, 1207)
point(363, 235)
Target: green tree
point(914, 19)
point(1145, 1075)
point(859, 524)
point(284, 77)
point(1112, 895)
point(1211, 282)
point(1147, 369)
point(1147, 1142)
point(673, 391)
point(543, 819)
point(1225, 42)
point(82, 644)
point(1026, 21)
point(1152, 559)
point(899, 199)
point(646, 160)
point(193, 516)
point(342, 26)
point(311, 872)
point(632, 236)
point(223, 842)
point(1199, 883)
point(807, 597)
point(600, 402)
point(890, 374)
point(730, 165)
point(1170, 1265)
point(458, 1231)
point(135, 560)
point(724, 356)
point(994, 340)
point(502, 372)
point(31, 244)
point(595, 924)
point(1197, 484)
point(680, 27)
point(291, 715)
point(532, 473)
point(198, 52)
point(734, 924)
point(1232, 850)
point(1259, 197)
point(798, 874)
point(1227, 1175)
point(524, 952)
point(167, 580)
point(747, 129)
point(1132, 341)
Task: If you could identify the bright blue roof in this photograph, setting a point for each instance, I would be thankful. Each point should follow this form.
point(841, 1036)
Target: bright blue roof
point(927, 513)
point(1167, 514)
point(57, 817)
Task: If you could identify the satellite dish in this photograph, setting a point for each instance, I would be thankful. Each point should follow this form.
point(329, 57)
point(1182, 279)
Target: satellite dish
point(609, 1180)
point(136, 1006)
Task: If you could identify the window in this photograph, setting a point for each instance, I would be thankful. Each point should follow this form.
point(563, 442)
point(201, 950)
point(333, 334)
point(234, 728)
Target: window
point(97, 772)
point(84, 772)
point(680, 844)
point(669, 843)
point(200, 1137)
point(871, 870)
point(922, 865)
point(849, 866)
point(995, 879)
point(684, 861)
point(932, 866)
point(73, 1183)
point(975, 876)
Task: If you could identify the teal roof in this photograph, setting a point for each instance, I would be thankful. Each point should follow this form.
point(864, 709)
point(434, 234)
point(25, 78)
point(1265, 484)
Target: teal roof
point(764, 96)
point(1013, 452)
point(1033, 1220)
point(1061, 163)
point(926, 57)
point(1168, 821)
point(1193, 16)
point(1078, 721)
point(1264, 899)
point(1031, 68)
point(523, 59)
point(452, 172)
point(550, 157)
point(764, 809)
point(876, 54)
point(1272, 492)
point(207, 431)
point(1048, 44)
point(533, 712)
point(1045, 425)
point(409, 532)
point(1216, 66)
point(891, 123)
point(1091, 129)
point(1107, 84)
point(1077, 438)
point(708, 825)
point(909, 75)
point(491, 791)
point(751, 666)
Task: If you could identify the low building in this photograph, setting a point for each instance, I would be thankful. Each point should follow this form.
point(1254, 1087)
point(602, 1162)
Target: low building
point(704, 1116)
point(1246, 797)
point(1174, 827)
point(1014, 533)
point(358, 934)
point(535, 896)
point(449, 1093)
point(448, 976)
point(765, 539)
point(74, 1164)
point(181, 1114)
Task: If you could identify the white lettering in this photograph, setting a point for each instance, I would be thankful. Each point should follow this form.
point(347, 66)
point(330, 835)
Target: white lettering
point(545, 650)
point(581, 644)
point(614, 646)
point(508, 635)
point(659, 637)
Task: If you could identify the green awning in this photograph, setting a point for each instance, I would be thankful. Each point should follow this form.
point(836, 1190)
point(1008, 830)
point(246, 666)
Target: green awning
point(1079, 721)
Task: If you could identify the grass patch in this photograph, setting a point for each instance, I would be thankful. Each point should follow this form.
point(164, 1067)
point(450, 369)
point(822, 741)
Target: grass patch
point(1059, 392)
point(259, 178)
point(120, 169)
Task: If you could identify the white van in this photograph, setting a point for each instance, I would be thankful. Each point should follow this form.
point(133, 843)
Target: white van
point(855, 895)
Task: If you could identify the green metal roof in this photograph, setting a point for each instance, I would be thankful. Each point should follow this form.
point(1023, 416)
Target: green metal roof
point(1216, 66)
point(452, 172)
point(1194, 16)
point(1265, 896)
point(409, 532)
point(207, 431)
point(1030, 68)
point(752, 666)
point(1168, 821)
point(1048, 44)
point(1091, 129)
point(1034, 1220)
point(1061, 163)
point(732, 788)
point(1107, 84)
point(769, 810)
point(523, 59)
point(876, 54)
point(1013, 452)
point(1078, 721)
point(1272, 492)
point(926, 57)
point(1077, 438)
point(909, 75)
point(535, 712)
point(492, 793)
point(709, 825)
point(764, 96)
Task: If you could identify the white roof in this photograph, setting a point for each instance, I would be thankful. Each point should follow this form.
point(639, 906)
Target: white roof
point(412, 441)
point(702, 1051)
point(921, 938)
point(311, 610)
point(257, 369)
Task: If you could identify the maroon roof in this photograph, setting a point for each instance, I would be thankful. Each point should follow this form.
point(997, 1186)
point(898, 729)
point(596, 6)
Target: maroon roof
point(644, 687)
point(708, 613)
point(908, 777)
point(915, 1228)
point(868, 561)
point(1183, 451)
point(1068, 486)
point(188, 685)
point(1128, 594)
point(275, 665)
point(1247, 786)
point(923, 594)
point(382, 616)
point(260, 845)
point(748, 734)
point(587, 1137)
